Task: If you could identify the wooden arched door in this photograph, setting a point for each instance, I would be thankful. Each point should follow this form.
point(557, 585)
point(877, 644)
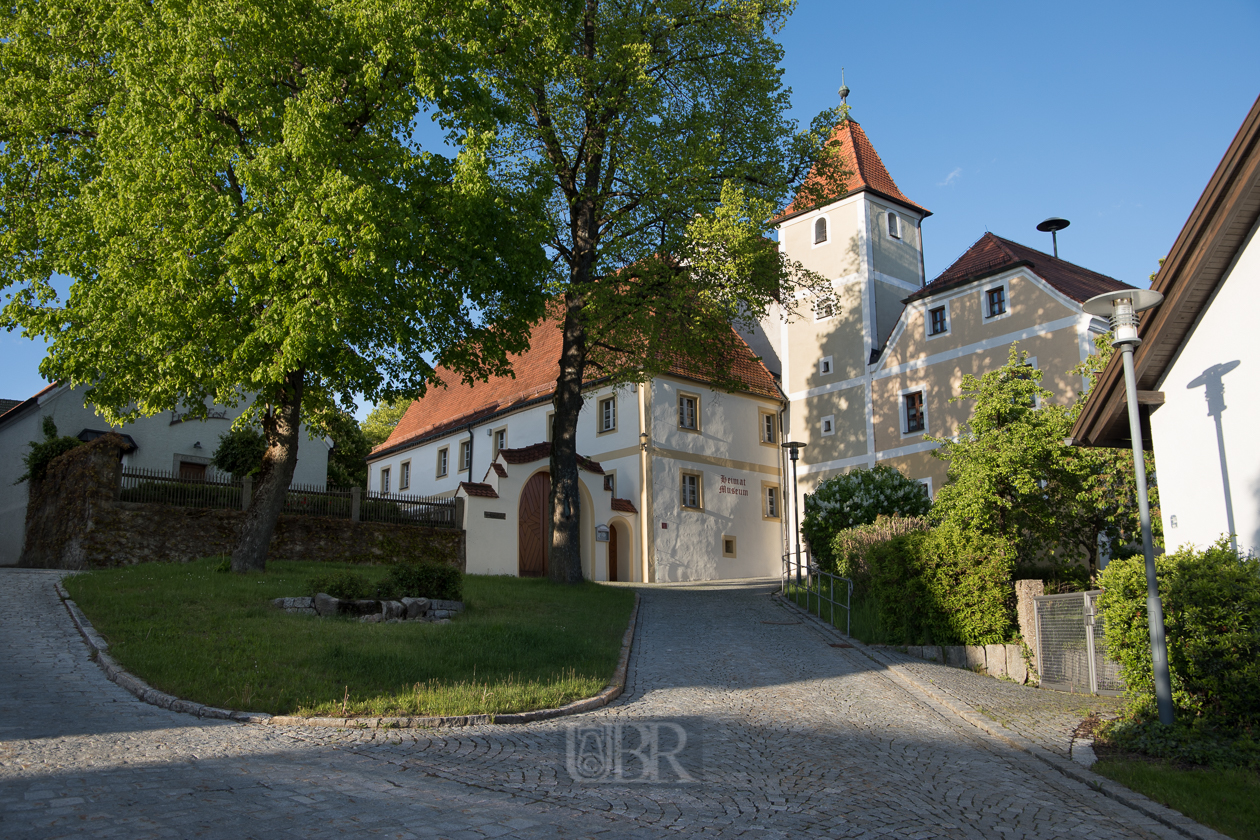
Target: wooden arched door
point(533, 522)
point(612, 553)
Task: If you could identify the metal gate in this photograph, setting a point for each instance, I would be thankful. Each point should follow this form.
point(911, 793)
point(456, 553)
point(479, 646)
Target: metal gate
point(1071, 650)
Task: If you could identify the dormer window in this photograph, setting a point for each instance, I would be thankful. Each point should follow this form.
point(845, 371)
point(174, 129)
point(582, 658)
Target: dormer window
point(894, 225)
point(820, 230)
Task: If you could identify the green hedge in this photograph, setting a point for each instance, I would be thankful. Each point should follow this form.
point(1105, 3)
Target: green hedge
point(1211, 602)
point(944, 587)
point(850, 548)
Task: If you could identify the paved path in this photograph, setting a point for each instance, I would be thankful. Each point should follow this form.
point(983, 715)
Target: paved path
point(788, 737)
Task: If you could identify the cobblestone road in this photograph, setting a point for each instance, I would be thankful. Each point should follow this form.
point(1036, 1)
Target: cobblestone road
point(789, 737)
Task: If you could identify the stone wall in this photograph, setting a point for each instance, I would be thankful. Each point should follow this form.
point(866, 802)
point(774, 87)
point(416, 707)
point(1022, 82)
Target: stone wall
point(75, 521)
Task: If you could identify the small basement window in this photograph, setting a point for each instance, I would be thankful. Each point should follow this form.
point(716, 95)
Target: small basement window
point(728, 546)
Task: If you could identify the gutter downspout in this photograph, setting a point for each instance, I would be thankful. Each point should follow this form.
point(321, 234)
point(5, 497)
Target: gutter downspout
point(471, 437)
point(646, 516)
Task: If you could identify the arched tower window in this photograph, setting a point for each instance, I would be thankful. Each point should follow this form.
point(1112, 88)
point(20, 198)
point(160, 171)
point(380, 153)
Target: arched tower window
point(820, 230)
point(894, 225)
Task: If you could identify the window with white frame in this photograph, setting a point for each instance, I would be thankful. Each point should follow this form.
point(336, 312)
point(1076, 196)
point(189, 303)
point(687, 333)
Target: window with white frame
point(820, 230)
point(926, 485)
point(404, 475)
point(689, 412)
point(824, 308)
point(610, 482)
point(385, 480)
point(769, 428)
point(915, 419)
point(770, 492)
point(829, 425)
point(691, 490)
point(465, 455)
point(825, 365)
point(894, 225)
point(500, 441)
point(938, 320)
point(608, 415)
point(443, 461)
point(995, 302)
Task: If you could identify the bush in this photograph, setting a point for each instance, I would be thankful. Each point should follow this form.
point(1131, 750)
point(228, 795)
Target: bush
point(943, 586)
point(856, 498)
point(43, 452)
point(1211, 602)
point(240, 452)
point(423, 580)
point(343, 584)
point(850, 548)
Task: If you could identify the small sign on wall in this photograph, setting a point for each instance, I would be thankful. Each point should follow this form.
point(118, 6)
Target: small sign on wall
point(601, 533)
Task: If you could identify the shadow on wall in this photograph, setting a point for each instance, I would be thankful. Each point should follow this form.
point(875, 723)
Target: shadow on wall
point(1211, 380)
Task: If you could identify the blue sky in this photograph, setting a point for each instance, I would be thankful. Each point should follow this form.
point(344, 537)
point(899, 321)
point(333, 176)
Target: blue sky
point(997, 115)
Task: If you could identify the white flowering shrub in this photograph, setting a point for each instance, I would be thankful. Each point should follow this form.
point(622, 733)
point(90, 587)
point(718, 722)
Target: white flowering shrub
point(858, 498)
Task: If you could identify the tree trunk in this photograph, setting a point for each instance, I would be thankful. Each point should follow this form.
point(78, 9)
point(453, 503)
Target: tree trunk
point(280, 428)
point(564, 559)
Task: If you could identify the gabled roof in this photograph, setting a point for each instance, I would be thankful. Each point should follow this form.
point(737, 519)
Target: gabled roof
point(992, 255)
point(624, 506)
point(485, 491)
point(455, 405)
point(9, 409)
point(539, 451)
point(5, 405)
point(866, 171)
point(1218, 229)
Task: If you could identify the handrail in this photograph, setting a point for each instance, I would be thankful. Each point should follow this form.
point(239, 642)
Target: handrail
point(813, 579)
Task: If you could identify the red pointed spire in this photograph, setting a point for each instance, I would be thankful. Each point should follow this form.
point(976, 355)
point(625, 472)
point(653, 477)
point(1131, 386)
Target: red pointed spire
point(867, 171)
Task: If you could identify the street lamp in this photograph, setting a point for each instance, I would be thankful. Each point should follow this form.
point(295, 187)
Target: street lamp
point(794, 450)
point(1121, 308)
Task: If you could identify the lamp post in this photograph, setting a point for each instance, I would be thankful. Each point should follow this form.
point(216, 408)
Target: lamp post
point(794, 450)
point(1121, 308)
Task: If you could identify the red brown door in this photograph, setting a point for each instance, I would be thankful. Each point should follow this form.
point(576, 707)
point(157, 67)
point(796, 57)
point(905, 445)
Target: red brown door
point(532, 514)
point(612, 553)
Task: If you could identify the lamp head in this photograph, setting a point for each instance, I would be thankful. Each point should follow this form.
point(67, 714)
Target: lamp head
point(1121, 308)
point(794, 448)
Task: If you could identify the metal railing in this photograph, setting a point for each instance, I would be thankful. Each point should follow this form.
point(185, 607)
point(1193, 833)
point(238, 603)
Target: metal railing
point(311, 500)
point(401, 509)
point(214, 491)
point(802, 578)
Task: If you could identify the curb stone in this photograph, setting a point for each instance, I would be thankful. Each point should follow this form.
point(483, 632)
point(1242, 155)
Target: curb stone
point(146, 693)
point(1073, 769)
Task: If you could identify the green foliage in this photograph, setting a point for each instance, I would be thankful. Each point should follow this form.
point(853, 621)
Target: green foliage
point(42, 452)
point(858, 497)
point(850, 548)
point(1211, 601)
point(347, 460)
point(1227, 800)
point(423, 580)
point(1197, 741)
point(944, 586)
point(382, 419)
point(345, 584)
point(240, 451)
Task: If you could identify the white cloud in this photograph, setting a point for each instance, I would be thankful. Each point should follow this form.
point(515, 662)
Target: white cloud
point(951, 177)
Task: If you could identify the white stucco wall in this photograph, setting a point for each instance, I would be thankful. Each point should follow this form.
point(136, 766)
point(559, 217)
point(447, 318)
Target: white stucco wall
point(1221, 352)
point(160, 444)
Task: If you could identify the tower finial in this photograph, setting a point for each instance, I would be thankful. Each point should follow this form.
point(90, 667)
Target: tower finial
point(844, 96)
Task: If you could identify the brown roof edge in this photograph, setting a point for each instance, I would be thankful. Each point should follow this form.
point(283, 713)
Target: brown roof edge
point(1183, 279)
point(923, 212)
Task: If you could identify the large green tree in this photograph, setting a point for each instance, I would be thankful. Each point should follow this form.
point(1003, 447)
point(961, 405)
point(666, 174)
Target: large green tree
point(236, 192)
point(381, 420)
point(659, 129)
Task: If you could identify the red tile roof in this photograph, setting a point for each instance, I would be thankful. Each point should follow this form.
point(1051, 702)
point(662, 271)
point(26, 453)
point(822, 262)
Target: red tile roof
point(992, 255)
point(624, 505)
point(498, 469)
point(866, 170)
point(483, 490)
point(541, 451)
point(450, 407)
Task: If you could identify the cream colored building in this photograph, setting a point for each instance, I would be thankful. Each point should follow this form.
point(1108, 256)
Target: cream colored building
point(678, 481)
point(870, 369)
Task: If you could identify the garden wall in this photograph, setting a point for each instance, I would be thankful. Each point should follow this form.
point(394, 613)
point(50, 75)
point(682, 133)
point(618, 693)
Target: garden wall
point(75, 521)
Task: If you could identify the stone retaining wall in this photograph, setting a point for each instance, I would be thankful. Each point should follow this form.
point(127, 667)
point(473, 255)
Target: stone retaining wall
point(995, 660)
point(75, 521)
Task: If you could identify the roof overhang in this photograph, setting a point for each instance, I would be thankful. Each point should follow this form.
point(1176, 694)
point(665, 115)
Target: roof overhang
point(921, 212)
point(1200, 259)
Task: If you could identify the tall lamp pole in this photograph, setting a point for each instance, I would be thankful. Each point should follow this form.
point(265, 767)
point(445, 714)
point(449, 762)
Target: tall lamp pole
point(1121, 308)
point(794, 450)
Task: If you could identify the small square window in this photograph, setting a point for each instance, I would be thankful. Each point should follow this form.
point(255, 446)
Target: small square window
point(938, 324)
point(829, 425)
point(688, 412)
point(824, 365)
point(443, 456)
point(996, 299)
point(385, 480)
point(894, 225)
point(465, 455)
point(824, 308)
point(608, 415)
point(691, 491)
point(914, 412)
point(728, 546)
point(610, 482)
point(404, 475)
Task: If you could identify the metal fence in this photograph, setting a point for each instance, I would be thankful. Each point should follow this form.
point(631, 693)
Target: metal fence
point(811, 588)
point(215, 490)
point(219, 491)
point(1071, 649)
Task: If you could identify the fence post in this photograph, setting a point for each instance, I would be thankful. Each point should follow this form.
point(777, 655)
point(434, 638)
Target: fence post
point(459, 512)
point(247, 491)
point(355, 496)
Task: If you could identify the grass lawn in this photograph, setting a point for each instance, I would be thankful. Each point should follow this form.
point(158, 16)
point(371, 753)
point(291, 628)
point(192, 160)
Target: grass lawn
point(213, 638)
point(1226, 800)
